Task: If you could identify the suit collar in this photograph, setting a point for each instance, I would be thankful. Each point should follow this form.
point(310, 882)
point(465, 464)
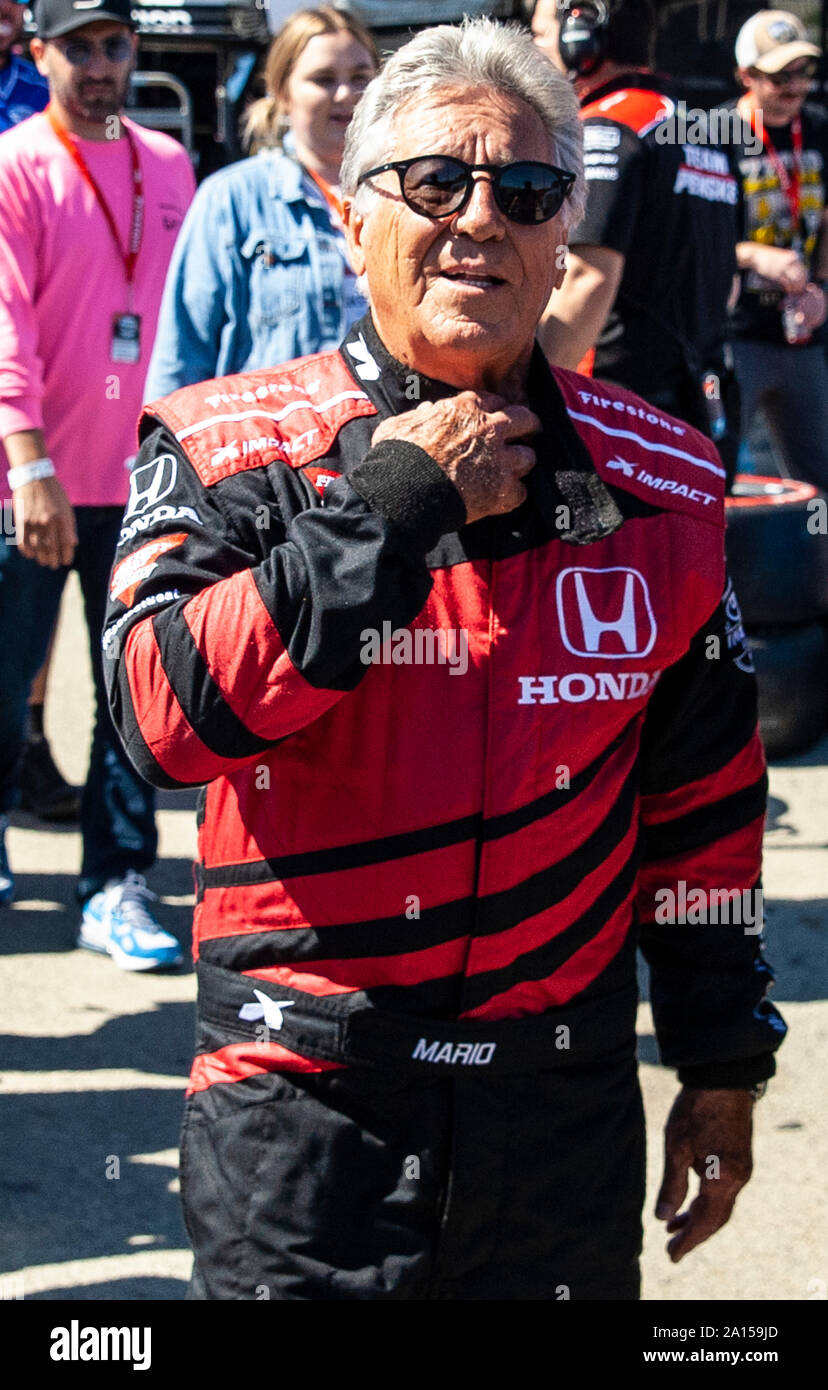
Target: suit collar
point(564, 487)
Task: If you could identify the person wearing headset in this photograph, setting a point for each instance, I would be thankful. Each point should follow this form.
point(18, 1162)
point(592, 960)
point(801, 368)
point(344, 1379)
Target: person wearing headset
point(651, 265)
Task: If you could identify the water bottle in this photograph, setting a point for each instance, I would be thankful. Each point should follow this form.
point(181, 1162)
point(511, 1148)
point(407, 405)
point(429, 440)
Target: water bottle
point(795, 332)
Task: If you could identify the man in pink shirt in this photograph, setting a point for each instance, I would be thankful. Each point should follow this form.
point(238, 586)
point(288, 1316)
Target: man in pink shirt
point(90, 205)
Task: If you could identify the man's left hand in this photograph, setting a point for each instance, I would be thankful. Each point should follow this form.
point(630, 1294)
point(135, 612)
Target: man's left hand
point(710, 1132)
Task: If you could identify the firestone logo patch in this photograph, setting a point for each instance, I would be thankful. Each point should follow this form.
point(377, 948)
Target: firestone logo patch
point(137, 567)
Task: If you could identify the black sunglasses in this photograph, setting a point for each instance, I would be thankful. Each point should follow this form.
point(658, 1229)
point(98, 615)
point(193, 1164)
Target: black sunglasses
point(784, 79)
point(438, 185)
point(116, 49)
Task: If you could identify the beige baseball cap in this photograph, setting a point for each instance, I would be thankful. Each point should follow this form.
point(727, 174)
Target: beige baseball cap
point(772, 39)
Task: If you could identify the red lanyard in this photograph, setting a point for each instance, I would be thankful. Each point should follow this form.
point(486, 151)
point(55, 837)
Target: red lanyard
point(129, 255)
point(333, 200)
point(790, 186)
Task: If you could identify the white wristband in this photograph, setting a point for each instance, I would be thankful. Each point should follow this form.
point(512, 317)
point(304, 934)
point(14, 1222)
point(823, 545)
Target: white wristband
point(30, 473)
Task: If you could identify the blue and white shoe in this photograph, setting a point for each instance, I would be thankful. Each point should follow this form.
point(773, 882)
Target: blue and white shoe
point(6, 875)
point(118, 922)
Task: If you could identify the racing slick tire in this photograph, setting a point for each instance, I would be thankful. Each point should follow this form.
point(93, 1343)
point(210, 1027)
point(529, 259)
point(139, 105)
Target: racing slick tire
point(777, 550)
point(792, 675)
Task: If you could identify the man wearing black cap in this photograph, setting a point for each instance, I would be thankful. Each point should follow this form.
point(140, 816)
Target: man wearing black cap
point(89, 208)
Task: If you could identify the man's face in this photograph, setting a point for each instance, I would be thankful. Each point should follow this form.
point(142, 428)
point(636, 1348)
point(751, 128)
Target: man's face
point(546, 29)
point(11, 22)
point(93, 90)
point(781, 96)
point(459, 298)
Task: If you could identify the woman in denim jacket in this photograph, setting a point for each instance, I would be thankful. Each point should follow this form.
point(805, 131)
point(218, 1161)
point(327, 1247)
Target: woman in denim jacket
point(260, 274)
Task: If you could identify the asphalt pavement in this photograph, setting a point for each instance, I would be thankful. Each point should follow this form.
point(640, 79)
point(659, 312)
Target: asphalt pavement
point(93, 1064)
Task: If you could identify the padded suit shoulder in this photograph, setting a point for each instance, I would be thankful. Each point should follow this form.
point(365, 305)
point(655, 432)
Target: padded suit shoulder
point(290, 414)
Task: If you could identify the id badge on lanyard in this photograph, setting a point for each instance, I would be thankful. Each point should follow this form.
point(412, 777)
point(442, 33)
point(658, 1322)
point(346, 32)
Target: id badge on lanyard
point(126, 338)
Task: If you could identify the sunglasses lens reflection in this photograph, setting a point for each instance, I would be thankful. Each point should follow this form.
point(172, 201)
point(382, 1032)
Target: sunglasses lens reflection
point(79, 52)
point(527, 193)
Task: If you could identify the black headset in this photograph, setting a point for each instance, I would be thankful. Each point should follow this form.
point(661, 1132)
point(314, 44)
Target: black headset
point(583, 36)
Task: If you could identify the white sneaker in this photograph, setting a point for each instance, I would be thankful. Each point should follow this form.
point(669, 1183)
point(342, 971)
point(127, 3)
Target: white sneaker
point(118, 921)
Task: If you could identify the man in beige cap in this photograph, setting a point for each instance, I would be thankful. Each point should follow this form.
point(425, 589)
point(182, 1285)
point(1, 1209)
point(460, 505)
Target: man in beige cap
point(783, 256)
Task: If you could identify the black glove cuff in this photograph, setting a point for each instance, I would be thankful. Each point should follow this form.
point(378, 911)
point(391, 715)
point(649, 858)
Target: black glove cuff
point(401, 482)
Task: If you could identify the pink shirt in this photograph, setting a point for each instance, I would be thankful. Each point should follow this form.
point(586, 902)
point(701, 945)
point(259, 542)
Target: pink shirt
point(62, 281)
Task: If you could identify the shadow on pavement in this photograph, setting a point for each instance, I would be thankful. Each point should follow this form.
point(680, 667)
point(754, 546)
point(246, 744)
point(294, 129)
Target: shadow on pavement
point(172, 800)
point(159, 1041)
point(796, 931)
point(70, 1185)
point(149, 1290)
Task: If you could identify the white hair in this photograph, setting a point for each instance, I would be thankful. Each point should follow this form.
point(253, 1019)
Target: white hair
point(476, 53)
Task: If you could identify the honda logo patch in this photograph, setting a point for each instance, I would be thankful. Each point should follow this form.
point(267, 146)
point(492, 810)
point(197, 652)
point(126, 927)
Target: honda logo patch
point(605, 612)
point(150, 484)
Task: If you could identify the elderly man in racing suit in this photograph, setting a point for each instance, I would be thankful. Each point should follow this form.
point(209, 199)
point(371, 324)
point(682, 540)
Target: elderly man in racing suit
point(447, 635)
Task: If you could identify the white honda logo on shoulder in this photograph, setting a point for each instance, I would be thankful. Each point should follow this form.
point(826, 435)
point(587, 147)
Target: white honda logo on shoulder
point(150, 484)
point(605, 612)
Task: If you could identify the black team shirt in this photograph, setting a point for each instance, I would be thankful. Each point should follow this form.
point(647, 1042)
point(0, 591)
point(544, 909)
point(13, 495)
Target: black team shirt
point(668, 203)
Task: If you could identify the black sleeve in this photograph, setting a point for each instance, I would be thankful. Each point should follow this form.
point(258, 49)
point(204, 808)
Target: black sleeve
point(699, 899)
point(238, 611)
point(614, 164)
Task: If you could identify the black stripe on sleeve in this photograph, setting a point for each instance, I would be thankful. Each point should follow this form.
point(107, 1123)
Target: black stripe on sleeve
point(706, 824)
point(343, 569)
point(203, 704)
point(703, 711)
point(129, 732)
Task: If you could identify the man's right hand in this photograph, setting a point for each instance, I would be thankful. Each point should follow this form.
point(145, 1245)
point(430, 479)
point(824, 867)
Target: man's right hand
point(44, 523)
point(476, 438)
point(784, 266)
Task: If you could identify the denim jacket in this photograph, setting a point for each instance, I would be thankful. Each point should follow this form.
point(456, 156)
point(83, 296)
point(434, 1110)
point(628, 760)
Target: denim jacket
point(259, 275)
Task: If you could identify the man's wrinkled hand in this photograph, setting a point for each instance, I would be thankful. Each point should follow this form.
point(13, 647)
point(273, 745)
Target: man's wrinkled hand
point(478, 440)
point(44, 523)
point(710, 1133)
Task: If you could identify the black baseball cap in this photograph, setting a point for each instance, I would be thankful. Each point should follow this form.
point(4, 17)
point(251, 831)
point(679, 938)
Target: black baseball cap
point(56, 17)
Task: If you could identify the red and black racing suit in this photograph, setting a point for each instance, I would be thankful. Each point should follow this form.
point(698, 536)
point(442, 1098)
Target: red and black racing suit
point(421, 873)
